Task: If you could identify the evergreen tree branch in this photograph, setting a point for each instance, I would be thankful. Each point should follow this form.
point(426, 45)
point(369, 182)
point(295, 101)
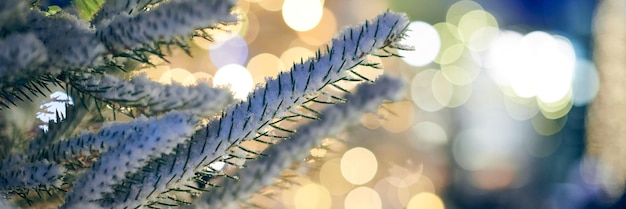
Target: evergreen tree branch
point(153, 97)
point(261, 172)
point(242, 121)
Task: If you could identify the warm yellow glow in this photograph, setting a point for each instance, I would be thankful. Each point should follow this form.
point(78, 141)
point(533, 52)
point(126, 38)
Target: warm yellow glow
point(295, 55)
point(460, 75)
point(370, 121)
point(481, 39)
point(302, 15)
point(426, 40)
point(363, 198)
point(200, 77)
point(154, 73)
point(450, 36)
point(235, 76)
point(547, 127)
point(358, 165)
point(452, 54)
point(312, 196)
point(457, 10)
point(398, 116)
point(323, 32)
point(330, 177)
point(177, 75)
point(475, 20)
point(425, 200)
point(265, 65)
point(271, 5)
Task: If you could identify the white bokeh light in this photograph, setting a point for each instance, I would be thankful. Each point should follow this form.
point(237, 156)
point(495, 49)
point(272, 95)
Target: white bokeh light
point(425, 38)
point(302, 15)
point(235, 76)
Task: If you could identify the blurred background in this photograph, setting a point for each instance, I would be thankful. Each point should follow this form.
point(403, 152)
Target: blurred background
point(510, 104)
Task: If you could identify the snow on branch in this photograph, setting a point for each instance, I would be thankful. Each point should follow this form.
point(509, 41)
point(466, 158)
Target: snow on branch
point(244, 120)
point(276, 158)
point(155, 97)
point(166, 21)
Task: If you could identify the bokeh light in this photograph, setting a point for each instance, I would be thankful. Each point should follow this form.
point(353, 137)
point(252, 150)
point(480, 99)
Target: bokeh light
point(363, 198)
point(425, 38)
point(359, 165)
point(586, 82)
point(265, 65)
point(312, 196)
point(323, 32)
point(429, 134)
point(231, 51)
point(425, 200)
point(176, 75)
point(330, 177)
point(302, 15)
point(236, 77)
point(422, 92)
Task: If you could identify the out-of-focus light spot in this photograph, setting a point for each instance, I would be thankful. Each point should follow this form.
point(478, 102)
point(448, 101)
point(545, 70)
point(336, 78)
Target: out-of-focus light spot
point(251, 29)
point(425, 200)
point(556, 109)
point(481, 39)
point(473, 21)
point(450, 36)
point(288, 196)
point(502, 57)
point(358, 165)
point(415, 184)
point(318, 152)
point(452, 54)
point(398, 116)
point(330, 177)
point(460, 96)
point(538, 64)
point(363, 198)
point(295, 55)
point(547, 127)
point(422, 93)
point(302, 15)
point(494, 177)
point(370, 121)
point(389, 191)
point(177, 75)
point(586, 83)
point(271, 5)
point(265, 65)
point(49, 109)
point(235, 76)
point(232, 51)
point(459, 9)
point(442, 89)
point(323, 32)
point(521, 108)
point(425, 38)
point(312, 196)
point(429, 134)
point(460, 75)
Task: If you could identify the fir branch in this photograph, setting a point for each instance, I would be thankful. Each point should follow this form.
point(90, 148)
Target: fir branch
point(262, 172)
point(20, 57)
point(154, 138)
point(242, 121)
point(113, 8)
point(31, 176)
point(153, 97)
point(12, 15)
point(165, 22)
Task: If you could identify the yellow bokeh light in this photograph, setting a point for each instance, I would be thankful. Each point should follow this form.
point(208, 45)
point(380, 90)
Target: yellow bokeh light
point(481, 39)
point(363, 198)
point(556, 109)
point(235, 76)
point(426, 41)
point(547, 127)
point(295, 55)
point(312, 196)
point(177, 75)
point(323, 32)
point(370, 121)
point(425, 200)
point(330, 177)
point(430, 133)
point(459, 75)
point(452, 54)
point(415, 184)
point(398, 116)
point(450, 36)
point(154, 73)
point(457, 10)
point(359, 165)
point(442, 89)
point(265, 65)
point(203, 77)
point(271, 5)
point(475, 20)
point(302, 15)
